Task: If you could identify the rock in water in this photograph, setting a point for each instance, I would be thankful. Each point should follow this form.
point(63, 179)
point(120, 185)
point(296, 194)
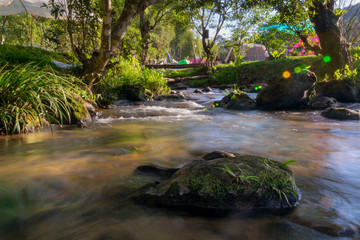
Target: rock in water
point(237, 102)
point(171, 97)
point(286, 93)
point(323, 102)
point(245, 182)
point(217, 154)
point(207, 90)
point(343, 91)
point(341, 114)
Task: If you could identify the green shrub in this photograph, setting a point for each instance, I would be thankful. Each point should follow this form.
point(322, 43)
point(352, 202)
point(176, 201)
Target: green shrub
point(31, 98)
point(187, 72)
point(355, 53)
point(126, 74)
point(14, 55)
point(226, 74)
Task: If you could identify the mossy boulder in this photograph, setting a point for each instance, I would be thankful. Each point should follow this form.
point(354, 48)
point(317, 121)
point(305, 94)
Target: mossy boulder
point(286, 93)
point(244, 182)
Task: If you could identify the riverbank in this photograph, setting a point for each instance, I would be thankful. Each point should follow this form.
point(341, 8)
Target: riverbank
point(249, 74)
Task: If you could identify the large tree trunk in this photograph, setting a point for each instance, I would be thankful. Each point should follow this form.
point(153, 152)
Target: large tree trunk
point(209, 55)
point(112, 36)
point(145, 29)
point(333, 43)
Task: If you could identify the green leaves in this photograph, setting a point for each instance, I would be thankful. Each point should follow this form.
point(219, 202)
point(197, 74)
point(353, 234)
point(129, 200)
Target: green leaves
point(282, 165)
point(32, 98)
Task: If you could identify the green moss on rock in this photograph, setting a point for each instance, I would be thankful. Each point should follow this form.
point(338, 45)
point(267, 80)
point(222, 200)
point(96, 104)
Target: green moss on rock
point(243, 182)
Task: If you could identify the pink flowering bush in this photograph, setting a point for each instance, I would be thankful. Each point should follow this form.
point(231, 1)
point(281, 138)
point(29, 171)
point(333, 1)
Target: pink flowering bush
point(299, 48)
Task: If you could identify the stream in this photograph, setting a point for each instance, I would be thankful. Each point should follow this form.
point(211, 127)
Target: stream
point(71, 183)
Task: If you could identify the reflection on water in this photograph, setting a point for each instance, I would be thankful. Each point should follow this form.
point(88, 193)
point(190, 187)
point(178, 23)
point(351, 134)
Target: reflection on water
point(71, 184)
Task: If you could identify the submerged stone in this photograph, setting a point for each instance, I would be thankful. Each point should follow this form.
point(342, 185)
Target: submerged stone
point(245, 182)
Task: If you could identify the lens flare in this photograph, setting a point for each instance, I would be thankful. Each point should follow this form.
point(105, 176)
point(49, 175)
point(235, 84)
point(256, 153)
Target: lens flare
point(286, 74)
point(297, 70)
point(327, 59)
point(213, 105)
point(217, 104)
point(204, 109)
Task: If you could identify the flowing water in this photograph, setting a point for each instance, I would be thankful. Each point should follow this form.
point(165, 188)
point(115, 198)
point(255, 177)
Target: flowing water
point(72, 183)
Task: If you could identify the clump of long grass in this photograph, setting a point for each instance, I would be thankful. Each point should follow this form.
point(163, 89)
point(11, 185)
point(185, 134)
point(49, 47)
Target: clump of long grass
point(32, 98)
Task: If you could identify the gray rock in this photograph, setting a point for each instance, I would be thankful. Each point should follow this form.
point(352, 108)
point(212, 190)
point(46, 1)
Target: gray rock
point(90, 108)
point(217, 154)
point(286, 93)
point(341, 114)
point(164, 97)
point(237, 102)
point(341, 90)
point(198, 91)
point(178, 86)
point(207, 90)
point(245, 182)
point(323, 102)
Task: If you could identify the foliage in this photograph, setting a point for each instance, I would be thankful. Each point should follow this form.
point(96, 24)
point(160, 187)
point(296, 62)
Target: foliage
point(240, 175)
point(235, 92)
point(355, 52)
point(128, 73)
point(186, 72)
point(161, 39)
point(31, 98)
point(225, 74)
point(16, 54)
point(238, 55)
point(266, 71)
point(212, 15)
point(345, 74)
point(299, 48)
point(282, 165)
point(27, 30)
point(276, 54)
point(273, 38)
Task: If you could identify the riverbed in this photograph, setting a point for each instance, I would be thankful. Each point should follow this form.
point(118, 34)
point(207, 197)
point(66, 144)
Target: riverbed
point(71, 183)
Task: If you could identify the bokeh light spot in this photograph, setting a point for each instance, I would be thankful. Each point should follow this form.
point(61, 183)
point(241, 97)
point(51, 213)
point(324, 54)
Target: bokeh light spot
point(327, 59)
point(213, 105)
point(297, 70)
point(204, 109)
point(286, 74)
point(217, 104)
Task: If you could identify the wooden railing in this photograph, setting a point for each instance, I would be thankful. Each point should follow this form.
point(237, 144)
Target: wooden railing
point(159, 66)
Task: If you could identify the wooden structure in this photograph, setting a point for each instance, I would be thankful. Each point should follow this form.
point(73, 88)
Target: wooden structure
point(172, 66)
